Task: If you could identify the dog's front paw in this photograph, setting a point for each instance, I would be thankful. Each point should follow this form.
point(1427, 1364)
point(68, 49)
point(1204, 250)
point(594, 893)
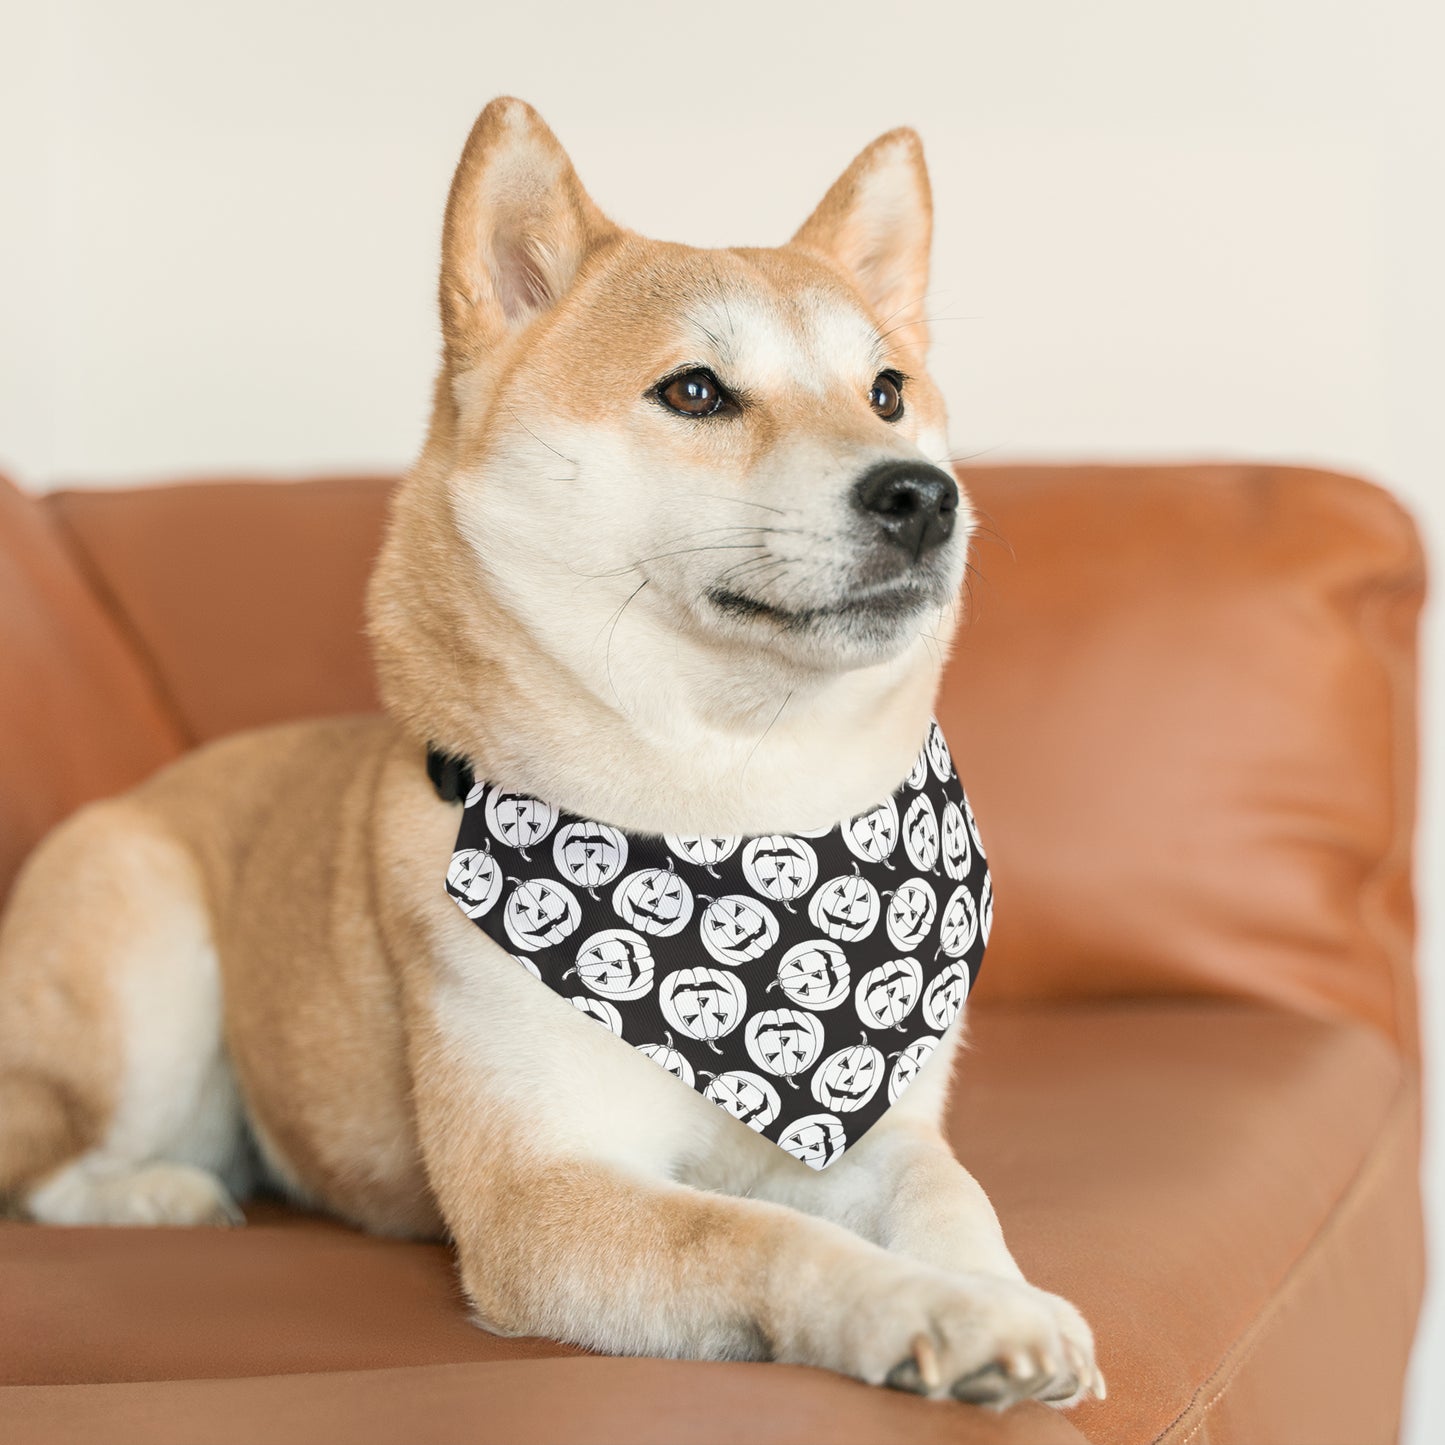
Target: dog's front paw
point(979, 1338)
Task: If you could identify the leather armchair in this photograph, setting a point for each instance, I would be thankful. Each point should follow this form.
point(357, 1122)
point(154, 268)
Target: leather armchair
point(1185, 705)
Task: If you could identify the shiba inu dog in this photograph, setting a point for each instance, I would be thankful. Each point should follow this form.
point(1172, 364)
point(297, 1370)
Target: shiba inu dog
point(677, 554)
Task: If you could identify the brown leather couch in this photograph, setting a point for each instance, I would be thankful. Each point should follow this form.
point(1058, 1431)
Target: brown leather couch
point(1185, 706)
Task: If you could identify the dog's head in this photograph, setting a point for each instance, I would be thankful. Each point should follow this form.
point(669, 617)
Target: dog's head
point(734, 451)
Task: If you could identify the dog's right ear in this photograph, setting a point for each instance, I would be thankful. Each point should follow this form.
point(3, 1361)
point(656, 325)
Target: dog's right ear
point(518, 227)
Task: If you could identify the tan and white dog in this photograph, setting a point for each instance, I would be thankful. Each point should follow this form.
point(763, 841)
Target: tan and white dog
point(676, 554)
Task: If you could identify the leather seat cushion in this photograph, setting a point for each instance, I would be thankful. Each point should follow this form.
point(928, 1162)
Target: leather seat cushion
point(1226, 1191)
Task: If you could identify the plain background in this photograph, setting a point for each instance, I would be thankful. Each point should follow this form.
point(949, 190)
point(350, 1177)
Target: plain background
point(1164, 230)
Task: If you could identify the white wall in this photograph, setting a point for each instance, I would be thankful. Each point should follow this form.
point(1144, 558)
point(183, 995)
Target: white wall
point(1164, 228)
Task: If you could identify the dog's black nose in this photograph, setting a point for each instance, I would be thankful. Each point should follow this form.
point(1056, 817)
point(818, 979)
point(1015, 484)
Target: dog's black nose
point(915, 504)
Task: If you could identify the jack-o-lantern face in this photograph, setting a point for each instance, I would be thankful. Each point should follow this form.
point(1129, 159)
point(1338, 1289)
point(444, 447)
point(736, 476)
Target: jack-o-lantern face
point(737, 929)
point(474, 879)
point(985, 909)
point(920, 833)
point(911, 907)
point(814, 974)
point(601, 1010)
point(654, 900)
point(937, 751)
point(667, 1057)
point(591, 855)
point(784, 1042)
point(748, 1097)
point(959, 925)
point(539, 912)
point(816, 1140)
point(886, 995)
point(518, 819)
point(703, 1003)
point(704, 851)
point(780, 867)
point(973, 827)
point(845, 908)
point(953, 840)
point(907, 1064)
point(615, 963)
point(943, 1000)
point(872, 836)
point(848, 1079)
point(918, 775)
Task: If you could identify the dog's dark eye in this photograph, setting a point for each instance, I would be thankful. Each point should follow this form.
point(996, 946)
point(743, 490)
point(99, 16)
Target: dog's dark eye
point(694, 393)
point(886, 398)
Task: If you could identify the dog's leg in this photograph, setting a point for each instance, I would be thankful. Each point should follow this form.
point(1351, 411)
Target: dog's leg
point(901, 1187)
point(612, 1256)
point(116, 1104)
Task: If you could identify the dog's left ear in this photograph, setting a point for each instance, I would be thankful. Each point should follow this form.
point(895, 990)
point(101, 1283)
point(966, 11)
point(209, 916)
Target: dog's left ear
point(877, 223)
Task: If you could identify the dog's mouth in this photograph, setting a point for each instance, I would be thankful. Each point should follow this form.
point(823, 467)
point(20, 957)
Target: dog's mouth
point(888, 602)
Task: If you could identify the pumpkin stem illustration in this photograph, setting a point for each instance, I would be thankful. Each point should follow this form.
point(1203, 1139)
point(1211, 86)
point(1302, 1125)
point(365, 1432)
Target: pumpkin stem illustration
point(668, 1036)
point(712, 1044)
point(712, 870)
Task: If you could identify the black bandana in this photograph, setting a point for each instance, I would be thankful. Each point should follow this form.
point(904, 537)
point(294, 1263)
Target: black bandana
point(798, 981)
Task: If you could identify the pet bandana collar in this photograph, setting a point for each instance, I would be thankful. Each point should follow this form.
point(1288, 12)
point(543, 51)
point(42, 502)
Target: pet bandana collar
point(798, 981)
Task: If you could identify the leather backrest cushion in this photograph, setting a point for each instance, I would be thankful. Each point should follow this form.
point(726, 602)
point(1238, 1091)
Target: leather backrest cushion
point(1182, 705)
point(1184, 710)
point(247, 595)
point(79, 716)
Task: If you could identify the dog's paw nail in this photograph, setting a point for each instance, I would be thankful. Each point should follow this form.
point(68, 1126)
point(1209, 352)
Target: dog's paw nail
point(925, 1353)
point(1065, 1389)
point(905, 1376)
point(988, 1386)
point(1100, 1389)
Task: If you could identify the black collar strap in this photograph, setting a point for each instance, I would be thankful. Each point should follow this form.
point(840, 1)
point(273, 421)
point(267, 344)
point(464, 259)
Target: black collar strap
point(450, 775)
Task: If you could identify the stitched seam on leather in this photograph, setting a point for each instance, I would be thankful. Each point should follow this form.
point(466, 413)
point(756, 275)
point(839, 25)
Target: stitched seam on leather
point(1242, 1351)
point(124, 623)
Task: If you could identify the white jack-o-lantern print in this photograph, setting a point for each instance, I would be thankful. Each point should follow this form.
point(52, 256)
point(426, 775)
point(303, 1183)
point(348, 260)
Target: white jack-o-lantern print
point(737, 928)
point(615, 963)
point(886, 995)
point(784, 1042)
point(814, 974)
point(703, 1003)
point(654, 900)
point(944, 997)
point(872, 836)
point(474, 879)
point(667, 1057)
point(848, 1079)
point(703, 850)
point(780, 867)
point(815, 1140)
point(518, 819)
point(845, 908)
point(475, 794)
point(539, 913)
point(601, 1010)
point(985, 909)
point(920, 833)
point(591, 855)
point(748, 1097)
point(959, 925)
point(906, 1064)
point(526, 963)
point(954, 843)
point(973, 827)
point(911, 908)
point(937, 751)
point(918, 774)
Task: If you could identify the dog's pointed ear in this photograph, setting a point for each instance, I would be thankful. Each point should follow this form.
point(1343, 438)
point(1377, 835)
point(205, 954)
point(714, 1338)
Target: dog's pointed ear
point(877, 223)
point(518, 228)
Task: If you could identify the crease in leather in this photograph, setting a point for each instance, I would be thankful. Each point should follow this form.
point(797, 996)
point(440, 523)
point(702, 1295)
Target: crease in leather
point(1239, 1355)
point(125, 624)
